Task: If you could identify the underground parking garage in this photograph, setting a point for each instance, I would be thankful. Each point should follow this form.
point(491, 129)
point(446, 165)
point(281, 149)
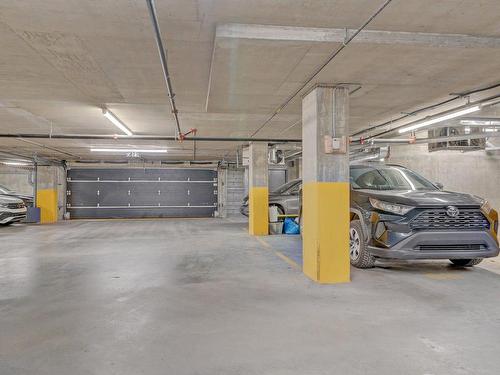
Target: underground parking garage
point(249, 187)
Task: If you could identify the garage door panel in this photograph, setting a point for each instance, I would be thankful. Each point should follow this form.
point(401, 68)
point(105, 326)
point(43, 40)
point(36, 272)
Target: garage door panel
point(122, 193)
point(173, 194)
point(202, 194)
point(119, 213)
point(113, 193)
point(78, 196)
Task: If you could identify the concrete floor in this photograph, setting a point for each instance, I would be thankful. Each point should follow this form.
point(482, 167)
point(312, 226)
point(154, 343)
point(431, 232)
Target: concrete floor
point(203, 297)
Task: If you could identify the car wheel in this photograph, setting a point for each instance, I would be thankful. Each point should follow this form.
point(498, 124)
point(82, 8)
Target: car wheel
point(466, 262)
point(358, 253)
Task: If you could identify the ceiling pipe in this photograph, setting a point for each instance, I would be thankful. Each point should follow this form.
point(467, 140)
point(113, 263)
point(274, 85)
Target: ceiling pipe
point(457, 96)
point(163, 60)
point(492, 100)
point(456, 138)
point(148, 138)
point(242, 139)
point(370, 145)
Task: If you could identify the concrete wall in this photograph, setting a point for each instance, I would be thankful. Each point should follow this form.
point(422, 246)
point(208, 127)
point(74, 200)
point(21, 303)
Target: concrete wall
point(294, 169)
point(475, 172)
point(231, 190)
point(17, 179)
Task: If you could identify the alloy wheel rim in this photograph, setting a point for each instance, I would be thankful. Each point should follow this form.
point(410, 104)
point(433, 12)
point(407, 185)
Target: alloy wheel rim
point(354, 244)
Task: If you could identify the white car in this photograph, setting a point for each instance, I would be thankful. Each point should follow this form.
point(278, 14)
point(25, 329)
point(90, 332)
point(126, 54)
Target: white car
point(12, 210)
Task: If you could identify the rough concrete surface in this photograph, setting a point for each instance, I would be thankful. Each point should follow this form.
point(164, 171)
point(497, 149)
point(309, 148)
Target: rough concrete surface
point(473, 172)
point(62, 61)
point(203, 297)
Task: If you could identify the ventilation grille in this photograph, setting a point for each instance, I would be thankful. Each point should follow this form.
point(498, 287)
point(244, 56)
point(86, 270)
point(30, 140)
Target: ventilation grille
point(460, 247)
point(15, 206)
point(439, 220)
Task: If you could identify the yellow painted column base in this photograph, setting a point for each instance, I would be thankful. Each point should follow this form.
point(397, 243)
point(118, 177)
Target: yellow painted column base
point(46, 200)
point(326, 216)
point(258, 219)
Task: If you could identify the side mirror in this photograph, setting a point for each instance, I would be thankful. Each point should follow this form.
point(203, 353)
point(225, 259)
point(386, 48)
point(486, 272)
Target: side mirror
point(439, 185)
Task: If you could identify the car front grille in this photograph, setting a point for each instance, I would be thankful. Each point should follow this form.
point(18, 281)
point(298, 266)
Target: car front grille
point(438, 219)
point(15, 206)
point(459, 247)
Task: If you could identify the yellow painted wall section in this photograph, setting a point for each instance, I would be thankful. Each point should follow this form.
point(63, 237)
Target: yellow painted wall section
point(326, 231)
point(258, 221)
point(46, 200)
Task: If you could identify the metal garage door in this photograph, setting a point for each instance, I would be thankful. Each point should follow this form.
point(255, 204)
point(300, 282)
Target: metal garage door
point(138, 192)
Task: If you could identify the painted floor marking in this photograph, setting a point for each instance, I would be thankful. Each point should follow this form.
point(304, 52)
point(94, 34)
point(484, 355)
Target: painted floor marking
point(279, 254)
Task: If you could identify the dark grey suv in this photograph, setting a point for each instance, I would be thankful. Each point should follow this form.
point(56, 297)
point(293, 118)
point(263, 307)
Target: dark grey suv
point(398, 214)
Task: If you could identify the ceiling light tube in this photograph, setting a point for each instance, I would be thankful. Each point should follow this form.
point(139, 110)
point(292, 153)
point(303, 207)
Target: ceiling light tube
point(15, 163)
point(116, 122)
point(449, 116)
point(480, 122)
point(127, 150)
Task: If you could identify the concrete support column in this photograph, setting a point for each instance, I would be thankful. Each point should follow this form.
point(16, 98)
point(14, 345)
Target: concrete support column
point(258, 191)
point(49, 194)
point(325, 174)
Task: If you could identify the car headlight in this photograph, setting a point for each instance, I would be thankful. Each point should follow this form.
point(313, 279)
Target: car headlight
point(398, 209)
point(486, 207)
point(490, 213)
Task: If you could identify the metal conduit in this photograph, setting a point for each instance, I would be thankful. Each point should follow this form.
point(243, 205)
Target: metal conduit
point(384, 132)
point(320, 68)
point(148, 138)
point(163, 60)
point(464, 137)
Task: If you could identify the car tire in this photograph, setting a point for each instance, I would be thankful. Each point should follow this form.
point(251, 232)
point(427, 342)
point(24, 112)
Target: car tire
point(466, 262)
point(359, 255)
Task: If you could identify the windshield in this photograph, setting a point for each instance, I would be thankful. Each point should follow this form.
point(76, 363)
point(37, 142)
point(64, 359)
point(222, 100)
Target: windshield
point(285, 187)
point(388, 177)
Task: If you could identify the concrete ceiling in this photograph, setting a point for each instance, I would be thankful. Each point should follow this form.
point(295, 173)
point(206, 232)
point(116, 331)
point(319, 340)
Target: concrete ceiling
point(62, 60)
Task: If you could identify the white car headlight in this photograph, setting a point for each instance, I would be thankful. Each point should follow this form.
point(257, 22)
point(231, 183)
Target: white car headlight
point(398, 209)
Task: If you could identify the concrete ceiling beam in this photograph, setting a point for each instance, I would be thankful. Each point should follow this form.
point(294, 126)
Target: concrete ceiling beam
point(322, 35)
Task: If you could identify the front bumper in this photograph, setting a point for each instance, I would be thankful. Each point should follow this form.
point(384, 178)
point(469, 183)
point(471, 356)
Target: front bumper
point(12, 216)
point(441, 245)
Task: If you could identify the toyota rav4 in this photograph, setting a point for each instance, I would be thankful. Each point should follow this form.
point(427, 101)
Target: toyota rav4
point(398, 214)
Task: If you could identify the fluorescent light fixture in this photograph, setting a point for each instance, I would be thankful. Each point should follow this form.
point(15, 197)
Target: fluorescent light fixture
point(490, 130)
point(15, 163)
point(130, 150)
point(478, 122)
point(449, 116)
point(116, 121)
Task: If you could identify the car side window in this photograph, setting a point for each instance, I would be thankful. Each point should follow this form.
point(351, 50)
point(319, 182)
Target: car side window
point(295, 189)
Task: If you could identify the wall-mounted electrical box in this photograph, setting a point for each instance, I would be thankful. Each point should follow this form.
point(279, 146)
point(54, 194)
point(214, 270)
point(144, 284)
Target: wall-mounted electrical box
point(335, 145)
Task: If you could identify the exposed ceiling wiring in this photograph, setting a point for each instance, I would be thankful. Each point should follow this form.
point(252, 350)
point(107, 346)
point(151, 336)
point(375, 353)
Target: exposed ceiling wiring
point(321, 67)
